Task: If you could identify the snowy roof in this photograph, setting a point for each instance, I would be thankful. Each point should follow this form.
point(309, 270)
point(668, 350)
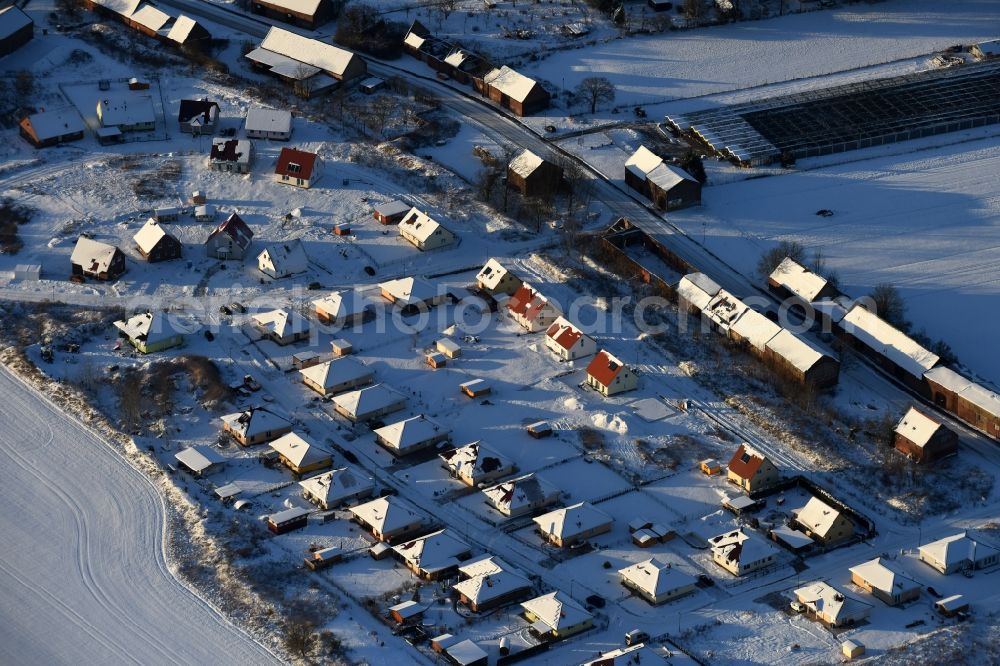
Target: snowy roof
point(792, 537)
point(724, 309)
point(122, 7)
point(642, 162)
point(956, 549)
point(528, 303)
point(181, 29)
point(93, 255)
point(798, 279)
point(990, 48)
point(433, 552)
point(698, 289)
point(313, 52)
point(260, 119)
point(386, 514)
point(604, 367)
point(655, 577)
point(948, 379)
point(307, 7)
point(456, 57)
point(510, 83)
point(739, 546)
point(982, 397)
point(410, 290)
point(234, 227)
point(130, 109)
point(288, 515)
point(666, 176)
point(466, 652)
point(255, 421)
point(884, 578)
point(150, 17)
point(407, 609)
point(755, 328)
point(557, 610)
point(150, 234)
point(523, 491)
point(149, 327)
point(299, 451)
point(917, 427)
point(408, 433)
point(484, 565)
point(525, 163)
point(797, 351)
point(639, 653)
point(564, 333)
point(393, 208)
point(287, 257)
point(883, 338)
point(491, 274)
point(746, 461)
point(367, 400)
point(572, 520)
point(419, 225)
point(337, 372)
point(336, 485)
point(12, 19)
point(198, 458)
point(50, 124)
point(282, 322)
point(341, 304)
point(486, 587)
point(475, 460)
point(236, 151)
point(830, 602)
point(414, 40)
point(818, 516)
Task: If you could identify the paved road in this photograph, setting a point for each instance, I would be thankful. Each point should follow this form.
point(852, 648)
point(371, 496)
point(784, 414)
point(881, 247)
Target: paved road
point(83, 574)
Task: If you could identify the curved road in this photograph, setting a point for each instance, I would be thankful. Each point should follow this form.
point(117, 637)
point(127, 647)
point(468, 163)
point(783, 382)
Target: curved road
point(83, 573)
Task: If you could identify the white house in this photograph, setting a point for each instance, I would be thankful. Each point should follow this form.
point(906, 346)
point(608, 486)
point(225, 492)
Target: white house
point(231, 155)
point(336, 487)
point(476, 463)
point(424, 232)
point(568, 342)
point(280, 260)
point(573, 524)
point(150, 332)
point(609, 376)
point(282, 326)
point(372, 402)
point(299, 454)
point(411, 435)
point(336, 376)
point(740, 553)
point(521, 496)
point(389, 518)
point(655, 581)
point(958, 552)
point(413, 292)
point(264, 123)
point(557, 614)
point(494, 278)
point(531, 310)
point(831, 606)
point(343, 308)
point(433, 555)
point(128, 112)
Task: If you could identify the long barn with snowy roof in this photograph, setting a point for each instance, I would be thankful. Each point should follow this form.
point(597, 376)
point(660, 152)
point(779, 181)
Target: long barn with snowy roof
point(514, 91)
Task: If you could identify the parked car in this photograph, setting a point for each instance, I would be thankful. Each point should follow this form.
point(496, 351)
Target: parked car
point(797, 607)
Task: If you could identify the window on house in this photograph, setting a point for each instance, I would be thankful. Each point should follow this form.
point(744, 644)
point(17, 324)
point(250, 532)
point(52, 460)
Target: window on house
point(294, 168)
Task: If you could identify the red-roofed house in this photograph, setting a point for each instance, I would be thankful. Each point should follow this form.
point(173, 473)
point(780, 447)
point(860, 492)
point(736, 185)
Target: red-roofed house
point(751, 470)
point(230, 240)
point(531, 310)
point(609, 375)
point(567, 341)
point(297, 167)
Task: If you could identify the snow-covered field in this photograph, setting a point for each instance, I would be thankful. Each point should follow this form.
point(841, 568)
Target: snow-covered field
point(82, 567)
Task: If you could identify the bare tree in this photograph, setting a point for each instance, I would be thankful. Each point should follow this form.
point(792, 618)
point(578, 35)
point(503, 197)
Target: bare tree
point(694, 9)
point(889, 304)
point(380, 111)
point(130, 400)
point(24, 84)
point(771, 258)
point(594, 90)
point(300, 637)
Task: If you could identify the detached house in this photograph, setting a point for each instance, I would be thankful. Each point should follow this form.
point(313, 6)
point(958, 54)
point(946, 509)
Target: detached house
point(521, 496)
point(655, 581)
point(609, 376)
point(298, 168)
point(495, 279)
point(97, 260)
point(740, 553)
point(336, 376)
point(924, 439)
point(573, 524)
point(423, 232)
point(532, 176)
point(299, 454)
point(958, 552)
point(568, 342)
point(476, 463)
point(822, 523)
point(666, 185)
point(831, 606)
point(198, 116)
point(412, 294)
point(372, 402)
point(531, 310)
point(496, 588)
point(389, 519)
point(231, 155)
point(282, 327)
point(264, 123)
point(884, 582)
point(128, 112)
point(411, 435)
point(751, 470)
point(150, 332)
point(255, 425)
point(330, 490)
point(281, 260)
point(155, 243)
point(433, 556)
point(50, 128)
point(514, 91)
point(343, 309)
point(556, 615)
point(391, 212)
point(230, 240)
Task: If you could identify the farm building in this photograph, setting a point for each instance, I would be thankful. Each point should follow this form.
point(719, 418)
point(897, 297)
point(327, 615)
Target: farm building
point(753, 330)
point(971, 402)
point(128, 112)
point(230, 240)
point(802, 360)
point(299, 454)
point(423, 232)
point(609, 376)
point(655, 581)
point(793, 280)
point(231, 155)
point(119, 9)
point(288, 520)
point(282, 327)
point(532, 176)
point(188, 33)
point(149, 20)
point(198, 116)
point(924, 439)
point(695, 291)
point(573, 524)
point(740, 553)
point(521, 496)
point(50, 128)
point(568, 342)
point(897, 352)
point(330, 490)
point(640, 653)
point(308, 14)
point(264, 123)
point(283, 259)
point(751, 470)
point(433, 556)
point(492, 590)
point(16, 29)
point(413, 293)
point(199, 460)
point(556, 615)
point(391, 212)
point(372, 402)
point(514, 91)
point(884, 582)
point(343, 309)
point(309, 62)
point(411, 435)
point(830, 606)
point(389, 519)
point(476, 463)
point(255, 425)
point(97, 260)
point(298, 168)
point(667, 186)
point(332, 377)
point(150, 332)
point(958, 552)
point(448, 348)
point(822, 523)
point(531, 310)
point(494, 279)
point(155, 243)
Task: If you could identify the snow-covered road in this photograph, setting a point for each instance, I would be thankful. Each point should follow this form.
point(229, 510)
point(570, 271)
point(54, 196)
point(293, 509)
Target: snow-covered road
point(82, 569)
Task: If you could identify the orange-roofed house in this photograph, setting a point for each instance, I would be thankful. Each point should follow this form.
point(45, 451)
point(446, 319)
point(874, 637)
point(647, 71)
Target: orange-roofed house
point(568, 342)
point(531, 310)
point(751, 470)
point(609, 375)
